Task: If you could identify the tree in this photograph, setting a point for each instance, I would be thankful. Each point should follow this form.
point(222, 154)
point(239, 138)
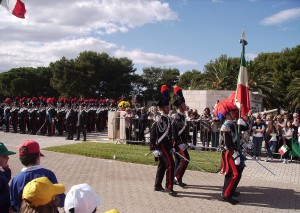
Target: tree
point(187, 79)
point(221, 74)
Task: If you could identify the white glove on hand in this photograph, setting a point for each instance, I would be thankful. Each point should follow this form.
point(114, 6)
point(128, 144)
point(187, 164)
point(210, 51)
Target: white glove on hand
point(240, 121)
point(172, 150)
point(191, 145)
point(236, 158)
point(156, 153)
point(182, 147)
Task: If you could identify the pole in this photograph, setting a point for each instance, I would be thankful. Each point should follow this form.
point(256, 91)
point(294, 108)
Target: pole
point(207, 158)
point(198, 167)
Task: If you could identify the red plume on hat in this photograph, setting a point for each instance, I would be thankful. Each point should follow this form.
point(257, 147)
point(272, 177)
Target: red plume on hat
point(178, 98)
point(165, 96)
point(8, 100)
point(50, 101)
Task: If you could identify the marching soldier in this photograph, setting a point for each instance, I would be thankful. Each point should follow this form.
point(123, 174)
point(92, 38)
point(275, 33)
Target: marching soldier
point(181, 137)
point(161, 145)
point(232, 158)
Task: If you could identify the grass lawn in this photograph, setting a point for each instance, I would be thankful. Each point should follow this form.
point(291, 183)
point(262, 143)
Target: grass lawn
point(136, 154)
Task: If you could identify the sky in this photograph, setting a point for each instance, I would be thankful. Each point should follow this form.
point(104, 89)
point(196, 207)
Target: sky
point(181, 34)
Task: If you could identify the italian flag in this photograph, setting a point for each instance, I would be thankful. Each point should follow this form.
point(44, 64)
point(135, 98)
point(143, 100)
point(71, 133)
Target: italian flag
point(242, 99)
point(16, 7)
point(283, 149)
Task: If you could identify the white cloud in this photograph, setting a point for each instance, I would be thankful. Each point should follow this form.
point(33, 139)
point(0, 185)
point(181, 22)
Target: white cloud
point(140, 57)
point(251, 56)
point(52, 29)
point(217, 1)
point(282, 16)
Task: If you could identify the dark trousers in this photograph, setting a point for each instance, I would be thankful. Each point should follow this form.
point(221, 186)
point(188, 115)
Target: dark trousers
point(79, 130)
point(181, 164)
point(70, 132)
point(6, 123)
point(165, 165)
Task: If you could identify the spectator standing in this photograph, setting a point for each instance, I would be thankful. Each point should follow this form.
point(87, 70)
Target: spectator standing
point(272, 134)
point(30, 156)
point(280, 123)
point(5, 176)
point(128, 116)
point(205, 128)
point(288, 132)
point(258, 136)
point(194, 125)
point(215, 128)
point(143, 123)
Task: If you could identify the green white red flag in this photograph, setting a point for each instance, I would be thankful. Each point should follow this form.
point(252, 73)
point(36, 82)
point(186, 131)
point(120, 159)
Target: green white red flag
point(16, 7)
point(242, 98)
point(283, 149)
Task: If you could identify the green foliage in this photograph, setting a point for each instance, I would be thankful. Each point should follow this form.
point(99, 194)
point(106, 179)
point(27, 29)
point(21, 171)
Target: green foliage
point(97, 75)
point(26, 82)
point(134, 154)
point(156, 77)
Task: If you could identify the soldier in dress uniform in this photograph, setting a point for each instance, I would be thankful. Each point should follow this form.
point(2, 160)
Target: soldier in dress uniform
point(60, 116)
point(50, 116)
point(88, 110)
point(70, 121)
point(6, 118)
point(42, 127)
point(22, 115)
point(161, 145)
point(33, 116)
point(181, 136)
point(14, 116)
point(81, 122)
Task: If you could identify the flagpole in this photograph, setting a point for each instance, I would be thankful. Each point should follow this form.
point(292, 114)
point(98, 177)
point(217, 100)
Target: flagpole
point(240, 108)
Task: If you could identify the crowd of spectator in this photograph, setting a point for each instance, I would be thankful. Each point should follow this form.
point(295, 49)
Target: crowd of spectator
point(36, 190)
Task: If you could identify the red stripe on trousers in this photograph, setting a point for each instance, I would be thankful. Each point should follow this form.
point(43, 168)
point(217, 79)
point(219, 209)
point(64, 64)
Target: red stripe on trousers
point(183, 164)
point(169, 175)
point(234, 176)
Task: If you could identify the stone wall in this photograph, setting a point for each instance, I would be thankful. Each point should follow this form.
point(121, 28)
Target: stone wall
point(200, 99)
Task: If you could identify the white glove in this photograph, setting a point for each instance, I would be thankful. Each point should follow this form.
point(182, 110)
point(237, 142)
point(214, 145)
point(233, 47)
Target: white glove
point(182, 147)
point(240, 121)
point(156, 153)
point(172, 150)
point(191, 145)
point(236, 158)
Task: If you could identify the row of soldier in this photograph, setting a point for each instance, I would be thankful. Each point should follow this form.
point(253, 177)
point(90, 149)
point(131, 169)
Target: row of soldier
point(49, 118)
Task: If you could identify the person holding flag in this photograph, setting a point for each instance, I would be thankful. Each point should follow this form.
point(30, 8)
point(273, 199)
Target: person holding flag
point(228, 110)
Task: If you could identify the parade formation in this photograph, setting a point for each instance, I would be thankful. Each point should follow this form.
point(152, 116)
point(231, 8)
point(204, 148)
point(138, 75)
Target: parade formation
point(46, 116)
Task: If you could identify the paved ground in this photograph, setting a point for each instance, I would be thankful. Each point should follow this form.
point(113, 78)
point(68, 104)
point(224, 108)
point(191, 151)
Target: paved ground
point(265, 186)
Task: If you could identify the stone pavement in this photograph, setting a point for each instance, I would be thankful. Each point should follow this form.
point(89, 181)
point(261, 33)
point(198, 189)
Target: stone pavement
point(265, 186)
